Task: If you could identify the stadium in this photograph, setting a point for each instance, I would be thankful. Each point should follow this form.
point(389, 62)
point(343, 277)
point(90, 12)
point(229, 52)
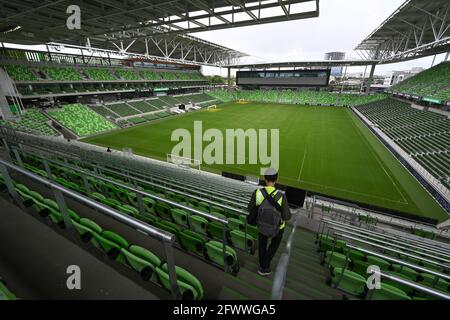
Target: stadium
point(99, 98)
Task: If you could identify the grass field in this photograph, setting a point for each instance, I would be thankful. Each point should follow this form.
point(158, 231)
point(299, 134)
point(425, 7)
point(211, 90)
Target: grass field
point(322, 149)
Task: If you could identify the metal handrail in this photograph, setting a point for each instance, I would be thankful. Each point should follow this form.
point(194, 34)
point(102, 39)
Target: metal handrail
point(388, 244)
point(157, 175)
point(402, 281)
point(218, 191)
point(146, 182)
point(43, 141)
point(379, 235)
point(279, 278)
point(141, 193)
point(146, 194)
point(439, 250)
point(439, 274)
point(181, 192)
point(416, 286)
point(167, 238)
point(213, 193)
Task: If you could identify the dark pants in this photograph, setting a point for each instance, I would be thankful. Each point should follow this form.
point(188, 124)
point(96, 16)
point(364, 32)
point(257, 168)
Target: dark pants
point(266, 253)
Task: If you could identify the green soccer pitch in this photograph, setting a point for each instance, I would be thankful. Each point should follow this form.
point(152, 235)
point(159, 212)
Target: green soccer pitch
point(322, 149)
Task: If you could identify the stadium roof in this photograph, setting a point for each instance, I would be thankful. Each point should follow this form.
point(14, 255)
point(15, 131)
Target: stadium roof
point(417, 28)
point(156, 27)
point(295, 64)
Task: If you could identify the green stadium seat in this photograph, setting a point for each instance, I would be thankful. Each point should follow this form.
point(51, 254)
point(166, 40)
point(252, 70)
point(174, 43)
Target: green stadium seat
point(198, 224)
point(406, 271)
point(186, 277)
point(388, 292)
point(87, 229)
point(112, 243)
point(187, 291)
point(215, 230)
point(179, 216)
point(336, 260)
point(348, 281)
point(192, 242)
point(242, 241)
point(163, 210)
point(215, 254)
point(142, 260)
point(381, 263)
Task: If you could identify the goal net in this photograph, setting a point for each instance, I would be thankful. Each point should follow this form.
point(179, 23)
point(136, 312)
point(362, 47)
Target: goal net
point(183, 162)
point(242, 101)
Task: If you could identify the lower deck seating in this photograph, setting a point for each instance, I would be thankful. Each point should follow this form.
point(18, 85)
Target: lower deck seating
point(32, 121)
point(122, 109)
point(195, 233)
point(115, 246)
point(348, 268)
point(142, 106)
point(81, 120)
point(424, 135)
point(296, 97)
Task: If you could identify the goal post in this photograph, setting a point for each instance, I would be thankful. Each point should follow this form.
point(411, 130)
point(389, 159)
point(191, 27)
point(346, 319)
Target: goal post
point(183, 162)
point(213, 106)
point(242, 101)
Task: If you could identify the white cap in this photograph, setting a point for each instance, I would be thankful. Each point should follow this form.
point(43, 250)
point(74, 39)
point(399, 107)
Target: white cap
point(270, 172)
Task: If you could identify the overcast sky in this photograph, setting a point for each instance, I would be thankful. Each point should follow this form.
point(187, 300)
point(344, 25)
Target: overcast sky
point(341, 26)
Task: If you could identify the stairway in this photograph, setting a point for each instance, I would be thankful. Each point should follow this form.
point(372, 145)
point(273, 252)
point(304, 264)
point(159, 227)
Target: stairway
point(305, 279)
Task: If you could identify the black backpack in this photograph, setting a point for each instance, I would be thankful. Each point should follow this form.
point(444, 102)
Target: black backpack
point(269, 214)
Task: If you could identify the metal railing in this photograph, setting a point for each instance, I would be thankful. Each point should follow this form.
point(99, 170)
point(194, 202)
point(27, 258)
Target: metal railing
point(398, 261)
point(397, 239)
point(390, 245)
point(140, 194)
point(138, 180)
point(279, 279)
point(59, 191)
point(131, 166)
point(93, 153)
point(425, 252)
point(399, 280)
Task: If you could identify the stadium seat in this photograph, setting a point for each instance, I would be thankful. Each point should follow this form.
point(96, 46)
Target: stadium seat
point(242, 241)
point(381, 263)
point(198, 224)
point(388, 292)
point(179, 216)
point(186, 277)
point(187, 291)
point(348, 281)
point(407, 289)
point(112, 243)
point(406, 271)
point(163, 210)
point(215, 230)
point(87, 229)
point(336, 260)
point(192, 242)
point(214, 253)
point(142, 260)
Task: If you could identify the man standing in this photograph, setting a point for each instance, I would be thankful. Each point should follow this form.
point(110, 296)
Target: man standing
point(269, 210)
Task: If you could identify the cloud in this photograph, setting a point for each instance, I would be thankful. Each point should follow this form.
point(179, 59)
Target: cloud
point(341, 26)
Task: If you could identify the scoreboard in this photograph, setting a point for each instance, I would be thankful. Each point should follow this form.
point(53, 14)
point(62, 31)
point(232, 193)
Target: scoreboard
point(284, 78)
